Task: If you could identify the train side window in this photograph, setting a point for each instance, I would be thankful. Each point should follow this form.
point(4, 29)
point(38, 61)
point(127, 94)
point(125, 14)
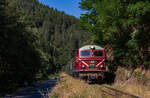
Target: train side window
point(85, 53)
point(98, 53)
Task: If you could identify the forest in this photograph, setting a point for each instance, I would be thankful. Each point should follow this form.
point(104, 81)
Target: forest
point(35, 42)
point(121, 25)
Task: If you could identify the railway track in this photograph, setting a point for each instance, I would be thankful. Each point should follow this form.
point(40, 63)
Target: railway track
point(114, 93)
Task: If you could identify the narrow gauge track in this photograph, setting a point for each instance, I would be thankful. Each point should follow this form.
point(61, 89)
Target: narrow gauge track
point(114, 93)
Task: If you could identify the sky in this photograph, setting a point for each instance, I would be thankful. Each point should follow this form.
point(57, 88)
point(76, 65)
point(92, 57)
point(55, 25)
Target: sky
point(70, 7)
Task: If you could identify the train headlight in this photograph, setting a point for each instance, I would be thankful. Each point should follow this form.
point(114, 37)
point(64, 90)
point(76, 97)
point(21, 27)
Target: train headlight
point(92, 47)
point(101, 66)
point(83, 66)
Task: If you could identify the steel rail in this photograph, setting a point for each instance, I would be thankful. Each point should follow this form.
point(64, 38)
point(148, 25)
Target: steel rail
point(119, 92)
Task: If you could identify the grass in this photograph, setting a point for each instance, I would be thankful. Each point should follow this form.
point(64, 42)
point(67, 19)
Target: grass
point(69, 87)
point(139, 89)
point(137, 84)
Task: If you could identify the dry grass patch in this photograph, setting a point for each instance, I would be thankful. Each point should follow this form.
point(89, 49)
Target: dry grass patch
point(139, 89)
point(138, 83)
point(68, 87)
point(134, 88)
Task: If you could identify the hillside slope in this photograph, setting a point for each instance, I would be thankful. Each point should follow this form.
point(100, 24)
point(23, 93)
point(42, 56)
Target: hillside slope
point(59, 34)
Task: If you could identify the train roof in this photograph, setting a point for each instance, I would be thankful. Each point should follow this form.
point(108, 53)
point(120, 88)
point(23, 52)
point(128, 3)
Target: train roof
point(88, 47)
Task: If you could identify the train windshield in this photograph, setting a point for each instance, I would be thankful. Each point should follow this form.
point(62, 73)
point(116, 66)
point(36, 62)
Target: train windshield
point(85, 53)
point(98, 53)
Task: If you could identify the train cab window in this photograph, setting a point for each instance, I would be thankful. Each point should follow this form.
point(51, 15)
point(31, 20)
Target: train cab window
point(85, 53)
point(98, 53)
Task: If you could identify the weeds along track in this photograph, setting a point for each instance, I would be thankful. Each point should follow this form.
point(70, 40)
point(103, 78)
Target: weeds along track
point(114, 93)
point(88, 91)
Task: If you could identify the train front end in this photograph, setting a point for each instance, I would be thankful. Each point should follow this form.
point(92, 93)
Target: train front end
point(91, 62)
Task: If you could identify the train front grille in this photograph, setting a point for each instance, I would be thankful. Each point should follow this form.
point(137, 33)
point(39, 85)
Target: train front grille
point(92, 64)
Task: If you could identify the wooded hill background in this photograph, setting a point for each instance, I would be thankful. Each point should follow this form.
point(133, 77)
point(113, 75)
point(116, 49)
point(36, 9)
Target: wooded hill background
point(35, 41)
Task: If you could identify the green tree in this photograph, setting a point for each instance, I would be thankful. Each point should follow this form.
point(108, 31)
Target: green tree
point(122, 24)
point(20, 61)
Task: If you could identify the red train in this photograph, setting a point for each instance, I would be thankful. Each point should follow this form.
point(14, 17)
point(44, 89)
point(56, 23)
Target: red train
point(89, 63)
